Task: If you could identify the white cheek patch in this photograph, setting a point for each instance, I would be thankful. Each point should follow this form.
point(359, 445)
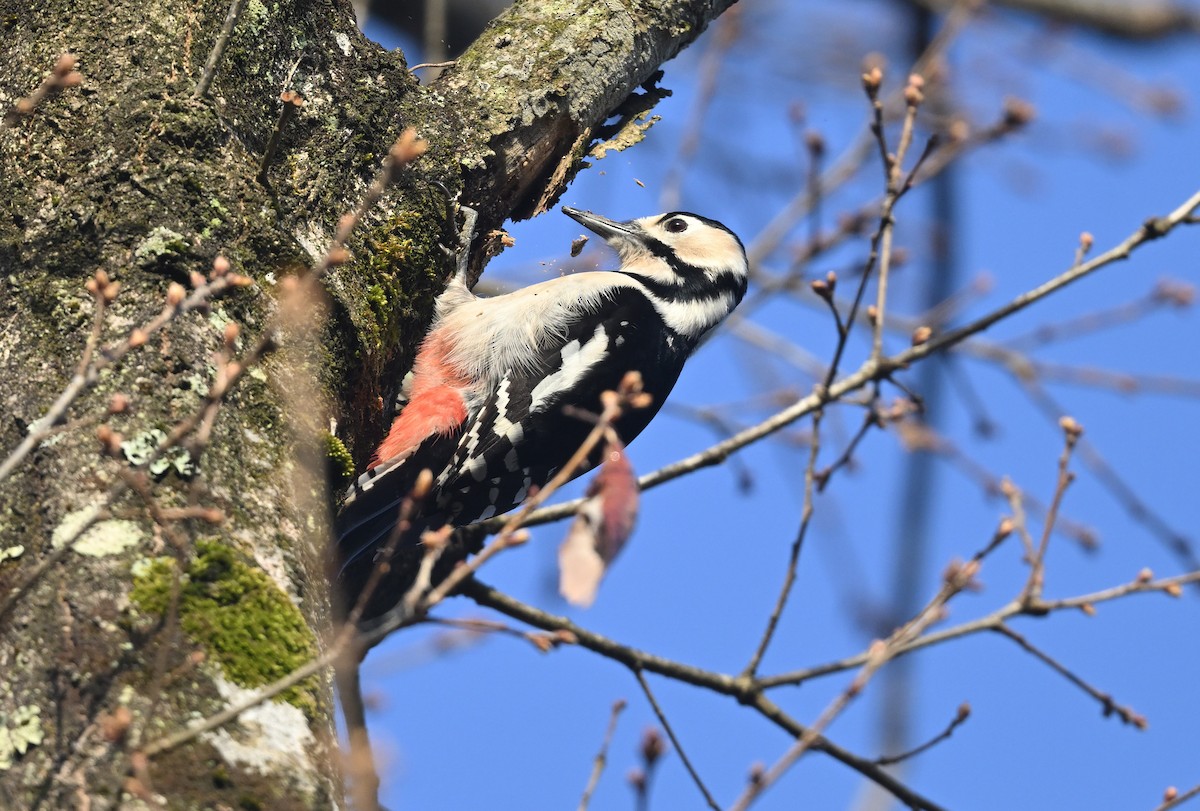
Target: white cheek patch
point(576, 360)
point(708, 249)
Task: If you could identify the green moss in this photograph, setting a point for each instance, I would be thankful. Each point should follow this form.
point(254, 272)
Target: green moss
point(255, 15)
point(377, 300)
point(237, 614)
point(216, 206)
point(402, 275)
point(340, 463)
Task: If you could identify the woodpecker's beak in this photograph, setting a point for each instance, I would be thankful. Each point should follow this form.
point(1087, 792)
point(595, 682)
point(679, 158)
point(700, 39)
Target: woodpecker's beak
point(612, 231)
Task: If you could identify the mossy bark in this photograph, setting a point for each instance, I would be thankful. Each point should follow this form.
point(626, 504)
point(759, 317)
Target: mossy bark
point(129, 174)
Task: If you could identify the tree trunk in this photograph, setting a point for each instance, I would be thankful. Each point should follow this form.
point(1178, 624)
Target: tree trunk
point(151, 619)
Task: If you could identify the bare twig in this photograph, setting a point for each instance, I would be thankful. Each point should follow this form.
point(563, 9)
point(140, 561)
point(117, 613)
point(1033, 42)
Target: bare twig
point(601, 759)
point(292, 102)
point(62, 75)
point(930, 165)
point(740, 689)
point(849, 162)
point(918, 435)
point(1110, 707)
point(957, 578)
point(960, 717)
point(1171, 586)
point(870, 420)
point(1017, 504)
point(218, 49)
point(789, 577)
point(892, 168)
point(662, 719)
point(230, 713)
point(1173, 799)
point(1179, 544)
point(1163, 294)
point(1037, 565)
point(86, 376)
point(881, 250)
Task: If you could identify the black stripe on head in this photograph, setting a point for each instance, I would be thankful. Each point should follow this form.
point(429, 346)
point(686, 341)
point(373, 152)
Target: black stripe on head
point(667, 254)
point(695, 284)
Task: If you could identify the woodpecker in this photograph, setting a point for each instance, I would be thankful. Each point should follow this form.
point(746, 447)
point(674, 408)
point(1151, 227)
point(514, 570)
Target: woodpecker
point(485, 408)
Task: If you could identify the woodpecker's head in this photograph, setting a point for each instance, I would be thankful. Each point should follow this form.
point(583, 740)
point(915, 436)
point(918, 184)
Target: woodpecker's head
point(681, 258)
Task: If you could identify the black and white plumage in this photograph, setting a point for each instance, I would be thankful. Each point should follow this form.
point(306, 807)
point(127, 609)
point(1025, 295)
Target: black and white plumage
point(485, 400)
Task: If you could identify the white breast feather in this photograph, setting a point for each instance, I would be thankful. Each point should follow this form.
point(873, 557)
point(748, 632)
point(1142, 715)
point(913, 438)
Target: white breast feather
point(494, 335)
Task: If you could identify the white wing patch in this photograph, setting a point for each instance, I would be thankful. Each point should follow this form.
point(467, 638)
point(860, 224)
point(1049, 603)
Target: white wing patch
point(576, 360)
point(511, 462)
point(473, 461)
point(503, 424)
point(368, 478)
point(524, 491)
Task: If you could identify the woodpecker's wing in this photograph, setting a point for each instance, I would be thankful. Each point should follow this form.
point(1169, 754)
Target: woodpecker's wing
point(522, 435)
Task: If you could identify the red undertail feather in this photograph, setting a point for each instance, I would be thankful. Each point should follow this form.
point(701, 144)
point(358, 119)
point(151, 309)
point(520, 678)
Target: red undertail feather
point(435, 405)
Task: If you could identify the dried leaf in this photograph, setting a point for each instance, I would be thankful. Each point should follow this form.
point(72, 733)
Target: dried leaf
point(580, 566)
point(603, 523)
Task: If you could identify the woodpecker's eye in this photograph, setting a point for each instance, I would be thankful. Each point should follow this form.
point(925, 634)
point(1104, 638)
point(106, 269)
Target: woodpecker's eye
point(676, 225)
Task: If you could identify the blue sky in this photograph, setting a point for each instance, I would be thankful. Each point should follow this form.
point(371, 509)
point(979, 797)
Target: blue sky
point(498, 724)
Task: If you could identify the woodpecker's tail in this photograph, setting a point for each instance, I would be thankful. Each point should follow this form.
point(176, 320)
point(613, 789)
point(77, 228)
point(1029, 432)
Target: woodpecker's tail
point(371, 515)
point(369, 538)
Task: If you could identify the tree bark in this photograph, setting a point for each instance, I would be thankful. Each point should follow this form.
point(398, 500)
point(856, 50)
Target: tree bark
point(130, 634)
